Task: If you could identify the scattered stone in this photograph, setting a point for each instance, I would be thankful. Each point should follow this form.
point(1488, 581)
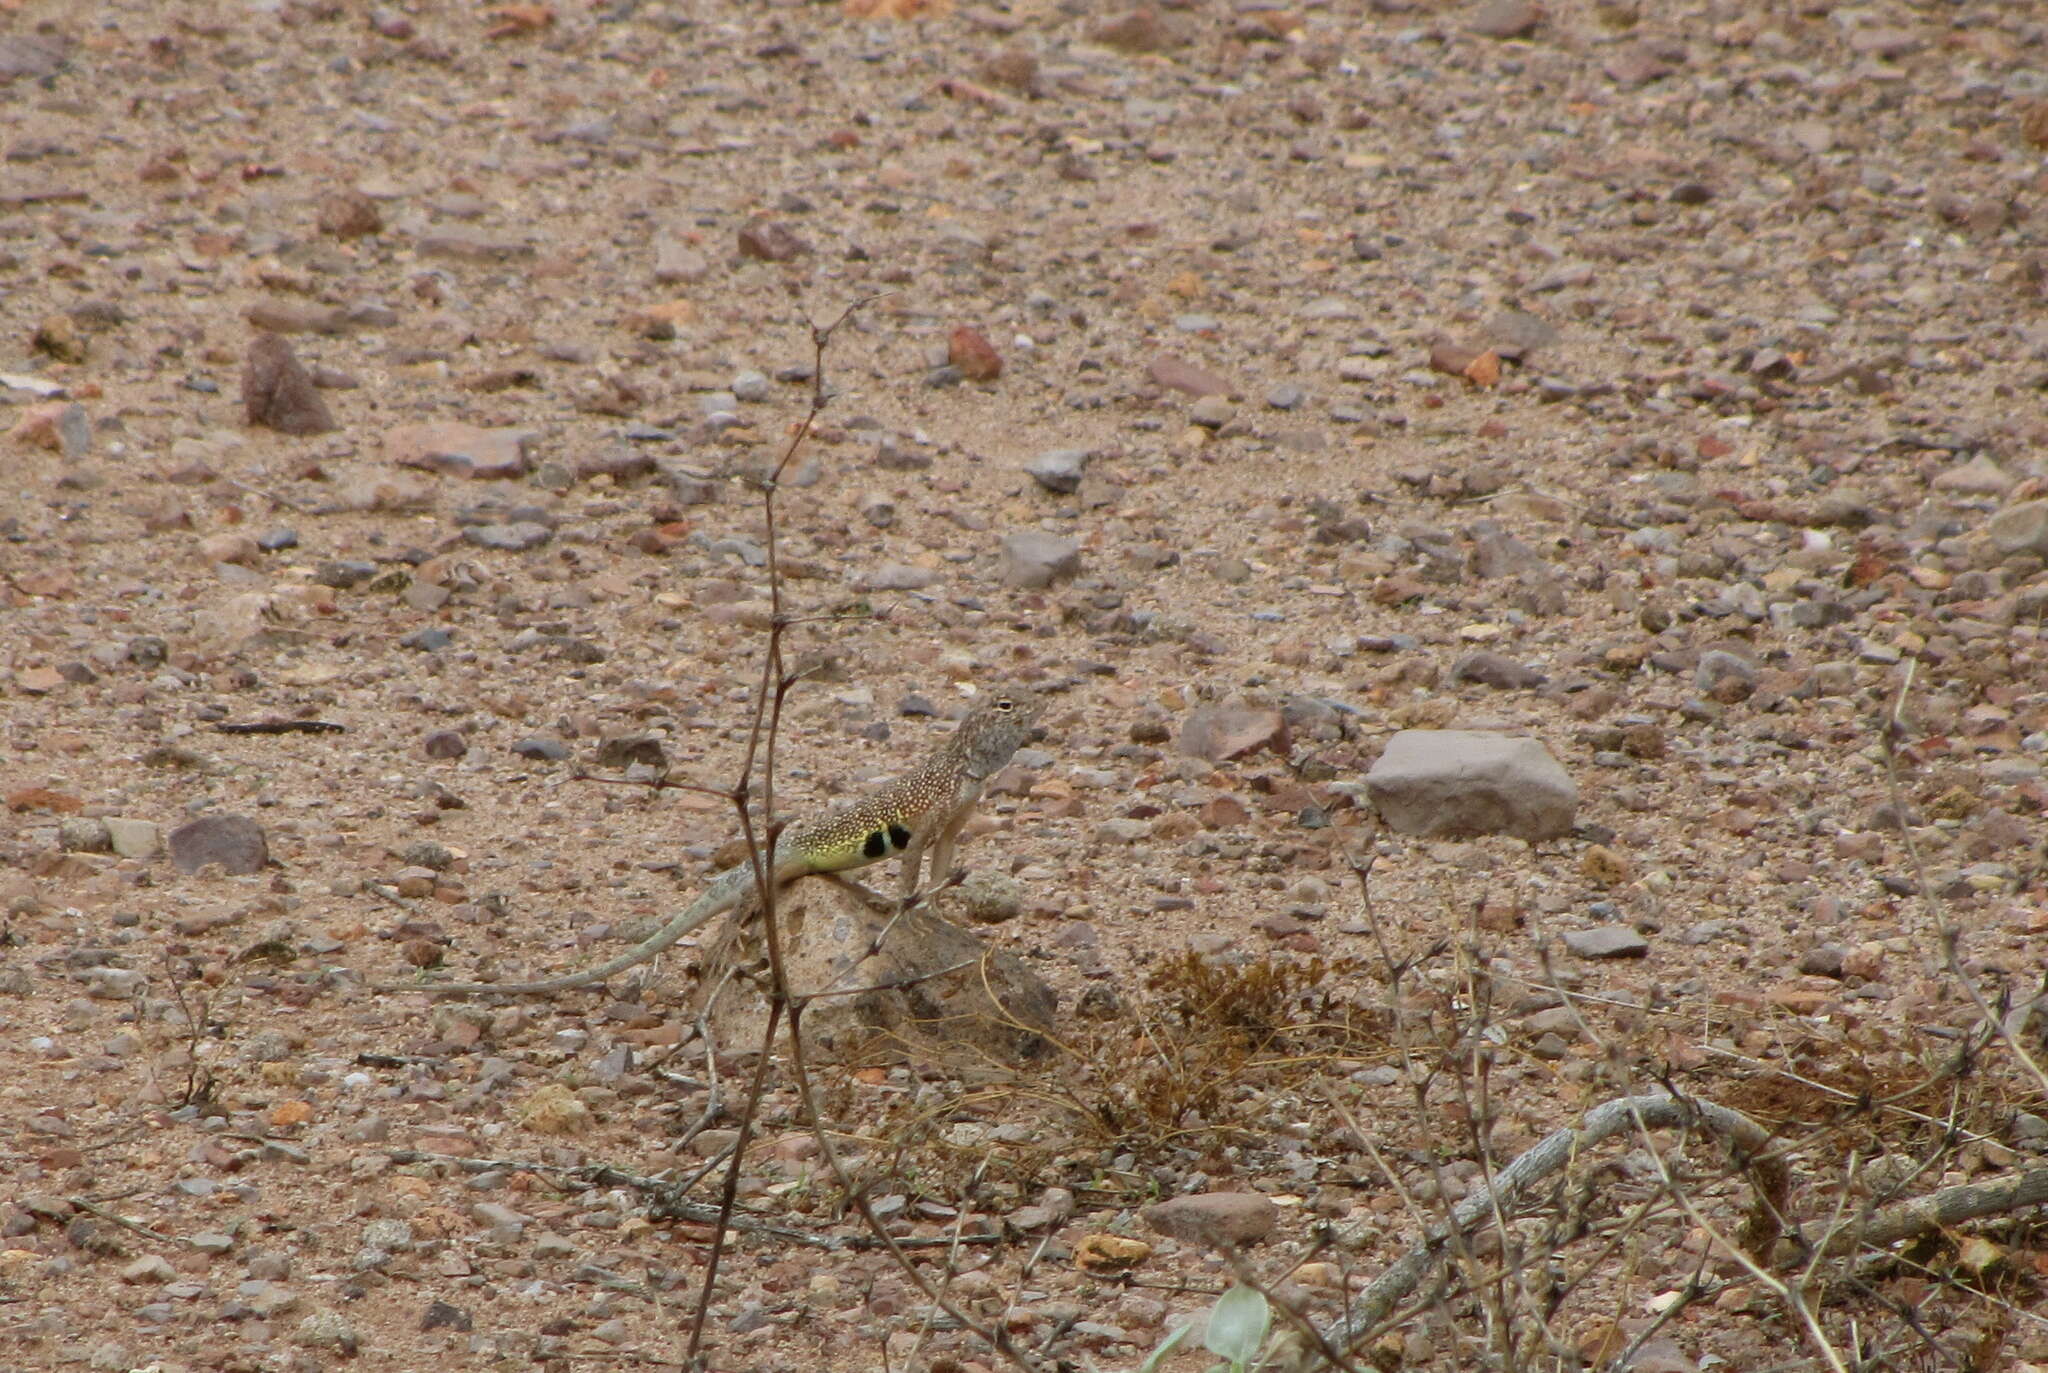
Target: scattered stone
point(232, 546)
point(460, 450)
point(541, 749)
point(900, 577)
point(1505, 19)
point(766, 240)
point(445, 743)
point(1607, 941)
point(1725, 677)
point(34, 55)
point(1059, 469)
point(1518, 335)
point(516, 537)
point(134, 838)
point(1031, 558)
point(296, 317)
point(1479, 366)
point(349, 214)
point(1212, 412)
point(1177, 375)
point(1219, 1220)
point(973, 354)
point(344, 574)
point(1495, 670)
point(58, 337)
point(2021, 528)
point(677, 263)
point(1455, 783)
point(1220, 734)
point(60, 426)
point(277, 391)
point(235, 842)
point(1980, 476)
point(1142, 30)
point(472, 245)
point(327, 1330)
point(1285, 396)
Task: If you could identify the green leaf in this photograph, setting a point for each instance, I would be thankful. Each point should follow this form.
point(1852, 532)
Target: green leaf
point(1238, 1325)
point(1166, 1346)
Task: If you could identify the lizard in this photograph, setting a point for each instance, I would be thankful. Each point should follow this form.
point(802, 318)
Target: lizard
point(919, 813)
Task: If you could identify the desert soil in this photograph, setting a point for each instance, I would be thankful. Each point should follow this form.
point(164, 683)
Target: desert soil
point(1665, 382)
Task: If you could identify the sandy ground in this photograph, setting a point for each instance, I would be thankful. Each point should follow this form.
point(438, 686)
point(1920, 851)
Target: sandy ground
point(1664, 382)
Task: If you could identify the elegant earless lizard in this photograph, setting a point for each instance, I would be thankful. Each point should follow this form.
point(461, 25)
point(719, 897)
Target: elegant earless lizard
point(920, 812)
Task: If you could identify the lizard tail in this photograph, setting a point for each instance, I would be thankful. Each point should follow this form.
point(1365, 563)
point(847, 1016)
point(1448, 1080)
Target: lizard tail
point(726, 891)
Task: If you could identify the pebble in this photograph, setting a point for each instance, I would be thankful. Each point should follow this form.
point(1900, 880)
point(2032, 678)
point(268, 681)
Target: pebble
point(235, 842)
point(1227, 732)
point(1212, 412)
point(1505, 19)
point(444, 743)
point(60, 426)
point(344, 573)
point(541, 748)
point(2021, 528)
point(750, 386)
point(472, 245)
point(1607, 941)
point(1218, 1220)
point(1285, 396)
point(1031, 558)
point(970, 351)
point(516, 537)
point(1176, 374)
point(1059, 469)
point(134, 838)
point(1495, 670)
point(766, 240)
point(460, 450)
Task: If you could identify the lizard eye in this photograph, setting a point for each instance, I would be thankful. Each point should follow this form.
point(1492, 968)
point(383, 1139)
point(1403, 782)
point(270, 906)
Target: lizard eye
point(1003, 703)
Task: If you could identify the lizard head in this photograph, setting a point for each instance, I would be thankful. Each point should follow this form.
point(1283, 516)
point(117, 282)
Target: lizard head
point(1004, 717)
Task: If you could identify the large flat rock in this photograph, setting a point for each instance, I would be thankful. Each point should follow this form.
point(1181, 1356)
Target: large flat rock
point(1453, 783)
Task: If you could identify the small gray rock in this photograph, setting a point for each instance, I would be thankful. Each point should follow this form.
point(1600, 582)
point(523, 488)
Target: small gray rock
point(508, 538)
point(1031, 558)
point(1058, 469)
point(1607, 941)
point(84, 834)
point(2021, 528)
point(899, 577)
point(1219, 734)
point(1450, 783)
point(234, 841)
point(1220, 1220)
point(134, 838)
point(1212, 412)
point(1495, 670)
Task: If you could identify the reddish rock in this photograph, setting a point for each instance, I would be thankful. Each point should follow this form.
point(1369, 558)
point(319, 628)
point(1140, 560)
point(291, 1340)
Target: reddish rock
point(1221, 733)
point(973, 354)
point(460, 450)
point(1176, 374)
point(768, 241)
